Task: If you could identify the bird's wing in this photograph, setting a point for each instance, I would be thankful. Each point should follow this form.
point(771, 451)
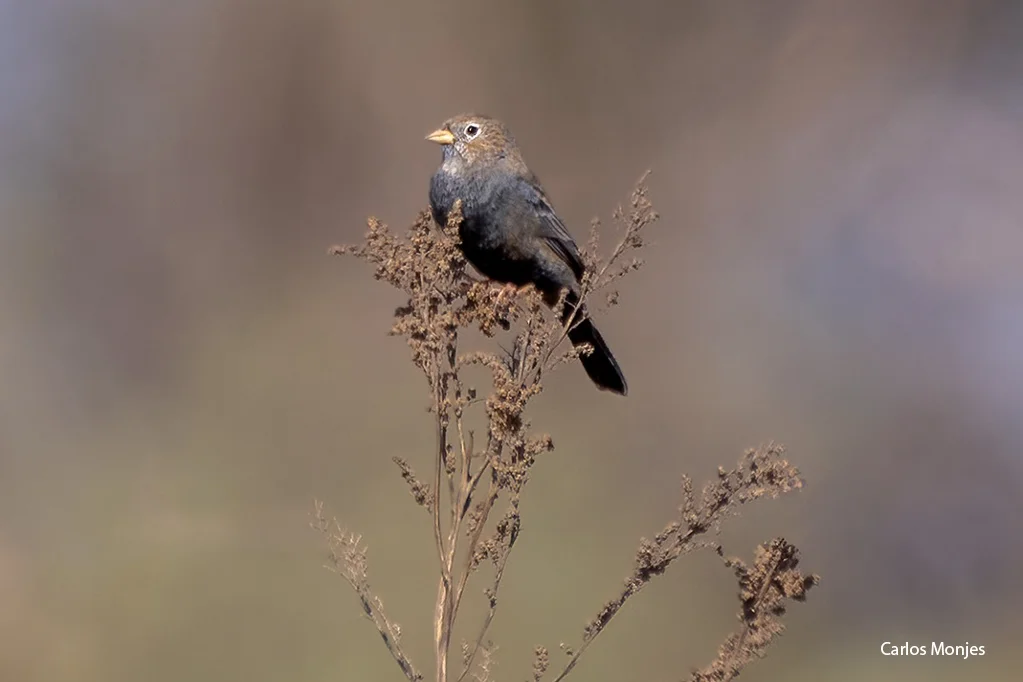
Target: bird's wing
point(551, 229)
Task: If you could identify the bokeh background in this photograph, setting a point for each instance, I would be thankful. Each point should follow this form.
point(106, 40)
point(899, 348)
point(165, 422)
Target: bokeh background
point(184, 368)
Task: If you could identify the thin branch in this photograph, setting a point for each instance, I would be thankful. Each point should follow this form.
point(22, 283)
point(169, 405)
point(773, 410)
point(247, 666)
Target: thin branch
point(441, 619)
point(764, 590)
point(762, 472)
point(489, 618)
point(348, 560)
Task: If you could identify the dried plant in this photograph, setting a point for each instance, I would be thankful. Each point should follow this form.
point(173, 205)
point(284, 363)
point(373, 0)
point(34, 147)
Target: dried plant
point(472, 476)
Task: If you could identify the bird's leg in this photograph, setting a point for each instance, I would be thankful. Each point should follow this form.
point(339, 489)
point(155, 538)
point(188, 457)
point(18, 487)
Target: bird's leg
point(507, 291)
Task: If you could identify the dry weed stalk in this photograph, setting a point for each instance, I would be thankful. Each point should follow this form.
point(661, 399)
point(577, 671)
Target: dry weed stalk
point(470, 478)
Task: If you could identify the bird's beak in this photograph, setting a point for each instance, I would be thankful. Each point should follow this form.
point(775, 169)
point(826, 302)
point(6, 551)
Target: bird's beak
point(442, 136)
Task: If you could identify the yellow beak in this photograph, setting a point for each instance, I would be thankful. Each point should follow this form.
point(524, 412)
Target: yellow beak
point(442, 136)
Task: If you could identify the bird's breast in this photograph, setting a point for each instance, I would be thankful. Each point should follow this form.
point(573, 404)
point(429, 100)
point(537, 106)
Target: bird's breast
point(489, 234)
point(446, 188)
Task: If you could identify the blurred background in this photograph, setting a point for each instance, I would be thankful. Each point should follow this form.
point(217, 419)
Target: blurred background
point(184, 369)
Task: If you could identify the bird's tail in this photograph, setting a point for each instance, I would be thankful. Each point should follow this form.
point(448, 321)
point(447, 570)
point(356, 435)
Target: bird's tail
point(600, 365)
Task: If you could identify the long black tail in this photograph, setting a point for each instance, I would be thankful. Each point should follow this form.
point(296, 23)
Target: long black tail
point(600, 364)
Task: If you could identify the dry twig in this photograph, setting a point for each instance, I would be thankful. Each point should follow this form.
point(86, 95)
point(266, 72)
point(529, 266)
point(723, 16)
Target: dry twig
point(442, 300)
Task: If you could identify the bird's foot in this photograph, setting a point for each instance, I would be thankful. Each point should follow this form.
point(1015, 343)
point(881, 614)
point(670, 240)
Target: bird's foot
point(507, 291)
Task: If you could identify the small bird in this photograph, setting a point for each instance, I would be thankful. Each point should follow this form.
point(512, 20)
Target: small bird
point(509, 230)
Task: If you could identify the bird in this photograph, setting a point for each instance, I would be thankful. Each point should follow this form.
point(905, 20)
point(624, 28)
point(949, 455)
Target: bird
point(510, 231)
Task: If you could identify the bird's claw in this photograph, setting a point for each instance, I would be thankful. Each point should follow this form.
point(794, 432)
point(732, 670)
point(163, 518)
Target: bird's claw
point(507, 291)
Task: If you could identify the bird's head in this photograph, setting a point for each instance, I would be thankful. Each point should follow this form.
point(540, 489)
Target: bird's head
point(473, 140)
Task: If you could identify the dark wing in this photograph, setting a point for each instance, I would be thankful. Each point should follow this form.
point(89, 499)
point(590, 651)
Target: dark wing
point(551, 229)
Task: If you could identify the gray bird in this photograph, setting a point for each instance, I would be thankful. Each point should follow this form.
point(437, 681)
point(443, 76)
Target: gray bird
point(509, 230)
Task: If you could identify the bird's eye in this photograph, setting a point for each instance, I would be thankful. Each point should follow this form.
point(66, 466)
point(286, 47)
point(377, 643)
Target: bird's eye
point(472, 130)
